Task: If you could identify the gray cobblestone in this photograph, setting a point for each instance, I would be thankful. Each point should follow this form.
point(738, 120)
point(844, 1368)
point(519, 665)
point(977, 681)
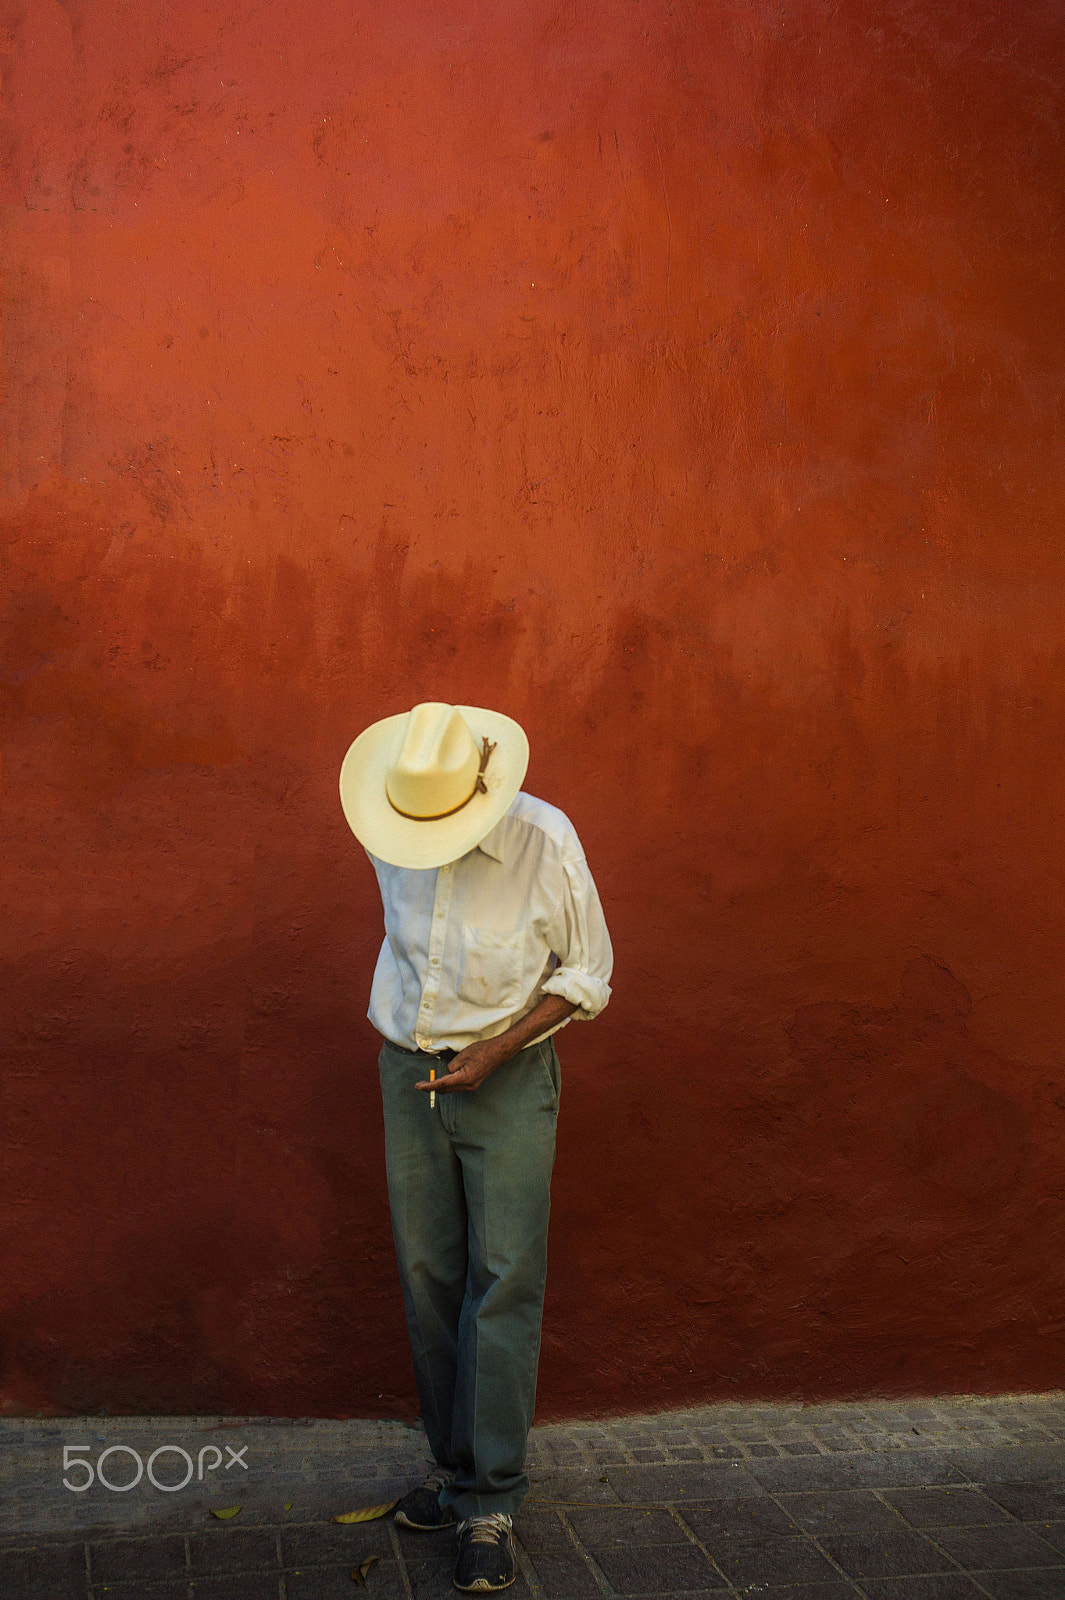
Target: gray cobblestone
point(287, 1459)
point(776, 1502)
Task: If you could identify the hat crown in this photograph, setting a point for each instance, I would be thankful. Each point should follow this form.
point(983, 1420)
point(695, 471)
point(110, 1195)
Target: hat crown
point(433, 763)
point(424, 787)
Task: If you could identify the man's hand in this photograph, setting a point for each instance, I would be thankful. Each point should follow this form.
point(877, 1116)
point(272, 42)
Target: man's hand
point(472, 1066)
point(469, 1068)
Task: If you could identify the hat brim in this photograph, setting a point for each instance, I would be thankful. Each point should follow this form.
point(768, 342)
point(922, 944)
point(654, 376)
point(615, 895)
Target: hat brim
point(405, 842)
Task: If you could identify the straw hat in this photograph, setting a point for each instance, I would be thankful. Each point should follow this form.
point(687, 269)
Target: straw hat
point(423, 788)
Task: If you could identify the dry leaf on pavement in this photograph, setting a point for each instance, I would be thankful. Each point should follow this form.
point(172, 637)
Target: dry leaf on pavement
point(366, 1513)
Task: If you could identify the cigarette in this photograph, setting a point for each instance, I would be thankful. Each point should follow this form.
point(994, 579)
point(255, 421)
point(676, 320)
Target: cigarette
point(432, 1092)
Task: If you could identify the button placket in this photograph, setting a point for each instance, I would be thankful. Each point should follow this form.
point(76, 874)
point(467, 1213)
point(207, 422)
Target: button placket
point(445, 883)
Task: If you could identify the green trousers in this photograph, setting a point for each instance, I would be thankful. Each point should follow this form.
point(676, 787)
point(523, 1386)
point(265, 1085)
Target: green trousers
point(469, 1186)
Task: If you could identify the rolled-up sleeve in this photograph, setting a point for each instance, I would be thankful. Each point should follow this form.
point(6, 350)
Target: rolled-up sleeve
point(580, 940)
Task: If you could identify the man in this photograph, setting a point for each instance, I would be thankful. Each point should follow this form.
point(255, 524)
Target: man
point(494, 939)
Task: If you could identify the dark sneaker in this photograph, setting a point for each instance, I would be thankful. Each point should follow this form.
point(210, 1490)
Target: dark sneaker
point(421, 1508)
point(486, 1553)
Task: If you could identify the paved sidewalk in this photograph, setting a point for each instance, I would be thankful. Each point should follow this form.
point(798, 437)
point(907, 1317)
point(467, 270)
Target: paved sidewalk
point(933, 1500)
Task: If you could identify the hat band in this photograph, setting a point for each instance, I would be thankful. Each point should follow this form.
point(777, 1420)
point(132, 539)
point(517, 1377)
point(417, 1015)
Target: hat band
point(480, 787)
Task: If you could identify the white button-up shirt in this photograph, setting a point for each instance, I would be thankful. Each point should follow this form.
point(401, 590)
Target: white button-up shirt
point(471, 947)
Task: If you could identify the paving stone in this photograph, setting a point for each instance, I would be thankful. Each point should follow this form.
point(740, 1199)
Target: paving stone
point(681, 1485)
point(601, 1530)
point(855, 1472)
point(751, 1519)
point(429, 1579)
point(933, 1586)
point(1052, 1532)
point(232, 1550)
point(794, 1559)
point(330, 1543)
point(980, 1549)
point(561, 1577)
point(55, 1572)
point(542, 1531)
point(944, 1508)
point(657, 1569)
point(263, 1586)
point(139, 1591)
point(116, 1560)
point(806, 1591)
point(841, 1511)
point(1029, 1501)
point(959, 1465)
point(1023, 1584)
point(1035, 1464)
point(885, 1555)
point(428, 1545)
point(573, 1488)
point(334, 1583)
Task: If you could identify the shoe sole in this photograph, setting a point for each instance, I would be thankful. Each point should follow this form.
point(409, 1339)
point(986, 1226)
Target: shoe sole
point(482, 1585)
point(422, 1527)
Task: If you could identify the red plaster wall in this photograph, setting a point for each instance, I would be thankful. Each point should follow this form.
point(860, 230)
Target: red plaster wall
point(682, 379)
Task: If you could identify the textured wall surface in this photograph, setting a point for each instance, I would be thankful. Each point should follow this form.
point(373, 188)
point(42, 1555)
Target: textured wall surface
point(685, 380)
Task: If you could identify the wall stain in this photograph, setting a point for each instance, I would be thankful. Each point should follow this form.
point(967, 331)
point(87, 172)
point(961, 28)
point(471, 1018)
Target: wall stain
point(690, 395)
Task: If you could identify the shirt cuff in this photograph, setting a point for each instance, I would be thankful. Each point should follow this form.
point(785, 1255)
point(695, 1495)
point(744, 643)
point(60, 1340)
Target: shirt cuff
point(588, 994)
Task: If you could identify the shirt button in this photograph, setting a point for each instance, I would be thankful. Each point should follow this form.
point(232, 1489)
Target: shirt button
point(434, 962)
point(445, 869)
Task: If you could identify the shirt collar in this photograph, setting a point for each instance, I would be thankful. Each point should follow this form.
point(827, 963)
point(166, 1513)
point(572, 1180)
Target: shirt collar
point(492, 843)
